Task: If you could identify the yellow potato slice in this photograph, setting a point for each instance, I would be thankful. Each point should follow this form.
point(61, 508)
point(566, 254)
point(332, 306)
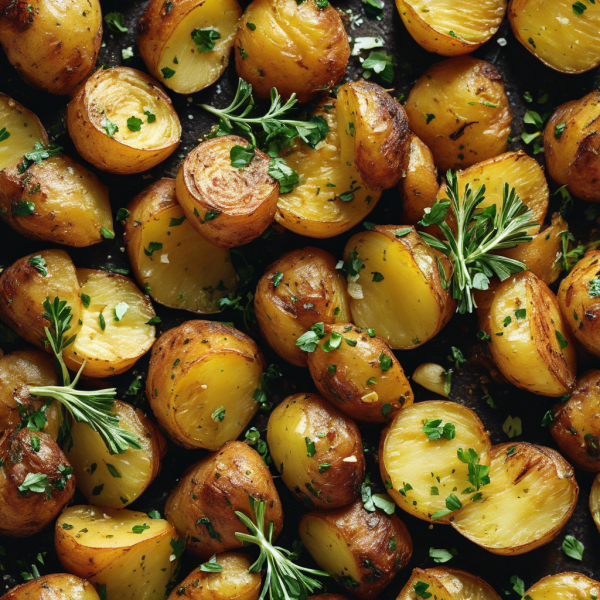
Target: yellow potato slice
point(595, 501)
point(564, 586)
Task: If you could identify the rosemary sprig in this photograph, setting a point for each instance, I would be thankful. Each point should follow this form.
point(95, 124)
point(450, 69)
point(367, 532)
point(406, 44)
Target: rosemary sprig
point(283, 580)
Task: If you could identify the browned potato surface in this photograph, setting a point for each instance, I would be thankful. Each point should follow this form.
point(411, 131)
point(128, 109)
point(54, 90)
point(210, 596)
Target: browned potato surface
point(54, 587)
point(573, 586)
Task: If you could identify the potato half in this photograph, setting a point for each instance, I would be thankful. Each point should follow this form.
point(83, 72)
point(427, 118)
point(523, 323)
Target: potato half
point(130, 553)
point(56, 200)
point(421, 473)
point(531, 343)
point(186, 271)
point(202, 505)
point(459, 108)
point(531, 495)
point(317, 450)
point(595, 501)
point(561, 38)
point(110, 121)
point(228, 206)
point(571, 586)
point(201, 382)
point(167, 41)
point(361, 550)
point(315, 42)
point(115, 330)
point(399, 291)
point(54, 587)
point(52, 45)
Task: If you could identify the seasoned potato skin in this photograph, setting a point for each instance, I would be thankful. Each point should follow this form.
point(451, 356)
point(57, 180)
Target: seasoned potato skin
point(60, 586)
point(315, 41)
point(24, 514)
point(337, 441)
point(215, 487)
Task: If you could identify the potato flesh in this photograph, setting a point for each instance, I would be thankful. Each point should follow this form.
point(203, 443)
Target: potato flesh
point(54, 587)
point(408, 456)
point(564, 586)
point(448, 584)
point(595, 501)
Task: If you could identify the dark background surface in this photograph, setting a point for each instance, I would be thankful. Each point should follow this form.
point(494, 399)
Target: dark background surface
point(522, 72)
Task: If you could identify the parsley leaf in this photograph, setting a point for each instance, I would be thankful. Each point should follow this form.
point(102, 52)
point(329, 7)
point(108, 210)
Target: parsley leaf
point(205, 39)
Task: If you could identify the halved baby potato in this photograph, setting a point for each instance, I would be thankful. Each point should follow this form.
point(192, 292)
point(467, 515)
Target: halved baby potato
point(201, 383)
point(186, 45)
point(175, 264)
point(531, 495)
point(399, 290)
point(126, 551)
point(420, 472)
point(568, 585)
point(227, 205)
point(122, 121)
point(116, 325)
point(59, 586)
point(595, 501)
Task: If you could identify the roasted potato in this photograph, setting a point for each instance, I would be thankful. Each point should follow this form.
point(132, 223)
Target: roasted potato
point(186, 271)
point(227, 205)
point(298, 48)
point(360, 377)
point(564, 585)
point(52, 45)
point(187, 46)
point(396, 286)
point(317, 450)
point(531, 495)
point(361, 550)
point(530, 341)
point(116, 480)
point(303, 287)
point(448, 28)
point(116, 328)
point(24, 129)
point(35, 482)
point(56, 201)
point(122, 121)
point(54, 587)
point(595, 501)
point(561, 38)
point(234, 582)
point(202, 505)
point(131, 554)
point(459, 108)
point(328, 597)
point(201, 383)
point(420, 468)
point(571, 146)
point(26, 284)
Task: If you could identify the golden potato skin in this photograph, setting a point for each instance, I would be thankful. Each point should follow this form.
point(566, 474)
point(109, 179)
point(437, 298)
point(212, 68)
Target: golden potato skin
point(297, 48)
point(202, 505)
point(54, 59)
point(60, 586)
point(305, 434)
point(347, 388)
point(25, 513)
point(460, 134)
point(311, 291)
point(366, 539)
point(227, 206)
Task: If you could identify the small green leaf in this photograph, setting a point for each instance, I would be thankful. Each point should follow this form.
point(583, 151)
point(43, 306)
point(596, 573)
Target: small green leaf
point(134, 124)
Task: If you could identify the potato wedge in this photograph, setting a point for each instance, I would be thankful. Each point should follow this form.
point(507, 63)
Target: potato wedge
point(26, 284)
point(531, 495)
point(459, 108)
point(315, 41)
point(416, 465)
point(234, 582)
point(531, 342)
point(310, 290)
point(116, 331)
point(201, 382)
point(448, 28)
point(361, 550)
point(52, 45)
point(167, 41)
point(35, 482)
point(228, 206)
point(202, 505)
point(317, 450)
point(104, 117)
point(362, 378)
point(573, 586)
point(186, 272)
point(56, 201)
point(54, 587)
point(133, 555)
point(386, 263)
point(24, 129)
point(554, 33)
